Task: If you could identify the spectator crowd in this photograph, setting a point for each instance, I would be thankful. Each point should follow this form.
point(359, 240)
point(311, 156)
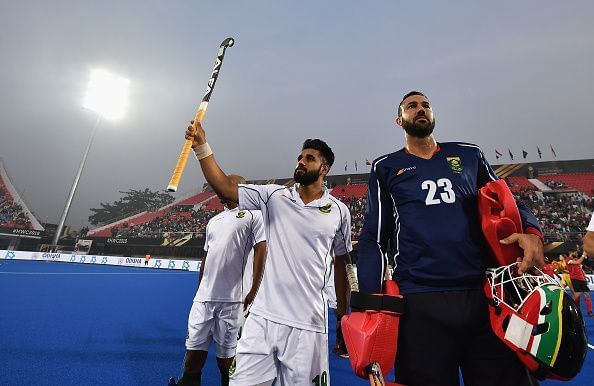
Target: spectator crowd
point(563, 215)
point(11, 213)
point(180, 219)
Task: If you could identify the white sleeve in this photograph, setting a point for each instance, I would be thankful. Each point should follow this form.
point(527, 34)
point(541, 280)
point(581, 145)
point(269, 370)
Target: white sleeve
point(591, 226)
point(254, 197)
point(258, 227)
point(206, 237)
point(251, 197)
point(342, 239)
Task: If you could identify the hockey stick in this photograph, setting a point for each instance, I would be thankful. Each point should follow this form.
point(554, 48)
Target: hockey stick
point(183, 157)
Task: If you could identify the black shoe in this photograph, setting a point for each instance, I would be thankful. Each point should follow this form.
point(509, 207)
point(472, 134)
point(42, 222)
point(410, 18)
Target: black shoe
point(172, 382)
point(341, 351)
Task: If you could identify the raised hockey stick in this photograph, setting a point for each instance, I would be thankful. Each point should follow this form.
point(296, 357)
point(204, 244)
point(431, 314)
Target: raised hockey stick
point(183, 157)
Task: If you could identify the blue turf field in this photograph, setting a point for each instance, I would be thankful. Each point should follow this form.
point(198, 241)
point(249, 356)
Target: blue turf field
point(76, 324)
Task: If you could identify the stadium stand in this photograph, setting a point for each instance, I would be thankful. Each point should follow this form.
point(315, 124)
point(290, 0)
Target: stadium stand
point(343, 191)
point(519, 184)
point(14, 214)
point(150, 224)
point(583, 182)
point(561, 200)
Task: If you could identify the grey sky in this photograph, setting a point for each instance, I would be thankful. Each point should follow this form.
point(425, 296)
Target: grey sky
point(500, 74)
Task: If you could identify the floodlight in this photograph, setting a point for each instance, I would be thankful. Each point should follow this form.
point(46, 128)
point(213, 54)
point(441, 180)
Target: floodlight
point(107, 94)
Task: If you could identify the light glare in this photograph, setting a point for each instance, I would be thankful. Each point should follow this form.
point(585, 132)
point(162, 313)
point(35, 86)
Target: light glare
point(107, 94)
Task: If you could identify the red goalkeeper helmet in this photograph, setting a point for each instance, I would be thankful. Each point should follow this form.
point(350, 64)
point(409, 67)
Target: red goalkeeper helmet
point(538, 320)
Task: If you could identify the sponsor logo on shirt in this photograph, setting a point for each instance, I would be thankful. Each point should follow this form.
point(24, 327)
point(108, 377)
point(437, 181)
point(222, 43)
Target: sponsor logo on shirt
point(455, 164)
point(240, 214)
point(403, 170)
point(325, 209)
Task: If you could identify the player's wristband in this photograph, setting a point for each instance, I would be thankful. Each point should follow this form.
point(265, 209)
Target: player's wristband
point(202, 151)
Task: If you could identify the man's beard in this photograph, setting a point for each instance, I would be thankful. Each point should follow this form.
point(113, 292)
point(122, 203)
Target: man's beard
point(419, 130)
point(307, 178)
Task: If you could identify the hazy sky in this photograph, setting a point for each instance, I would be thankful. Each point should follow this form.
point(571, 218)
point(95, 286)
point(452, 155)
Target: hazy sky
point(500, 74)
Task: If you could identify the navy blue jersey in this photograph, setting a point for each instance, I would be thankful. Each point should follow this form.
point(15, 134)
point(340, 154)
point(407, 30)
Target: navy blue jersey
point(426, 211)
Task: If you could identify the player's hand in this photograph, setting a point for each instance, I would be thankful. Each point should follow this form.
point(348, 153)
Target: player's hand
point(533, 250)
point(249, 298)
point(196, 134)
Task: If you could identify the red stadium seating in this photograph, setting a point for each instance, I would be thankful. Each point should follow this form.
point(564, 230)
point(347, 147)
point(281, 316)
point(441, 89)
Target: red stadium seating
point(194, 199)
point(519, 183)
point(214, 204)
point(343, 191)
point(583, 182)
point(13, 211)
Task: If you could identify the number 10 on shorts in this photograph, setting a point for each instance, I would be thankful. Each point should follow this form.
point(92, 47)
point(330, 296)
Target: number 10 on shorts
point(321, 380)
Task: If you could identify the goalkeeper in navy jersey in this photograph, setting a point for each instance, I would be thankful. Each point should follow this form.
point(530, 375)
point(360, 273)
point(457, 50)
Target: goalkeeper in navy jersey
point(422, 210)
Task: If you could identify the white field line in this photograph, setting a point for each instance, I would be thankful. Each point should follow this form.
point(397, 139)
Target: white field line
point(93, 273)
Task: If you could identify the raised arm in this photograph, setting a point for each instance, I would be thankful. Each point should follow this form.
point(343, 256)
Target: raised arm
point(219, 181)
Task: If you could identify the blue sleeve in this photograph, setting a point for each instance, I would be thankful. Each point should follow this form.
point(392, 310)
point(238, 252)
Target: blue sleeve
point(377, 230)
point(486, 173)
point(529, 220)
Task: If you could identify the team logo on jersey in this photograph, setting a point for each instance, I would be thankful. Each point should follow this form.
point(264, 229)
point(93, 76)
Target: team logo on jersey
point(325, 209)
point(240, 214)
point(455, 164)
point(401, 171)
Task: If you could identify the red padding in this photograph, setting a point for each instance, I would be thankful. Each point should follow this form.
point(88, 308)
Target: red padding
point(500, 218)
point(371, 336)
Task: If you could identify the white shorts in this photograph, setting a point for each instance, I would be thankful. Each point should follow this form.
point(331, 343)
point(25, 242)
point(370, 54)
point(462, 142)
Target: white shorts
point(269, 350)
point(218, 321)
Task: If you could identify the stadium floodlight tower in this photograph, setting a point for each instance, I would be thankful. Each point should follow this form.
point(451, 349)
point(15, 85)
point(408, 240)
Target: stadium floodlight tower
point(107, 95)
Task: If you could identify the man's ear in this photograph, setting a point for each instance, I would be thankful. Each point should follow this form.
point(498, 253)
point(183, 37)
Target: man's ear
point(399, 121)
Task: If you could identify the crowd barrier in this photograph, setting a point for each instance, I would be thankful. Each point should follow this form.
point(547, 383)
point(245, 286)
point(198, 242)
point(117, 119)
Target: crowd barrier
point(154, 262)
point(140, 262)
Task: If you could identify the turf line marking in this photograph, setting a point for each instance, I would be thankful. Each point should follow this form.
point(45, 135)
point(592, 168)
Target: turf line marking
point(92, 273)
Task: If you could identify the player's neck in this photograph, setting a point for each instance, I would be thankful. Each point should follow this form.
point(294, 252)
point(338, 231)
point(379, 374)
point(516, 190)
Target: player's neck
point(421, 147)
point(311, 192)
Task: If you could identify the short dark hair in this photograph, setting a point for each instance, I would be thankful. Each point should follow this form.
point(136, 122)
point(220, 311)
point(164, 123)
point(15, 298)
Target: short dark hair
point(410, 93)
point(322, 147)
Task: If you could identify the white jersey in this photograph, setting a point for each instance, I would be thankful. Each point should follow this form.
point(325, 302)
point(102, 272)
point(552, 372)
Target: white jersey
point(299, 239)
point(230, 237)
point(591, 225)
